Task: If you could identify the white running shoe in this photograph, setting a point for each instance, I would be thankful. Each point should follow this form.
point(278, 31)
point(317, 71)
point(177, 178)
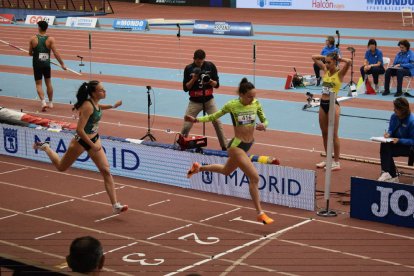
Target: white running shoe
point(321, 165)
point(335, 166)
point(117, 208)
point(50, 104)
point(386, 177)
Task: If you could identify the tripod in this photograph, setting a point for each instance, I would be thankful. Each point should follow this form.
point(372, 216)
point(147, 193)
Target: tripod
point(149, 135)
point(351, 84)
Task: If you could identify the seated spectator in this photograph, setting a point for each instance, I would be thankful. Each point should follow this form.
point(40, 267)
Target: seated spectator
point(401, 130)
point(373, 63)
point(403, 66)
point(329, 48)
point(86, 256)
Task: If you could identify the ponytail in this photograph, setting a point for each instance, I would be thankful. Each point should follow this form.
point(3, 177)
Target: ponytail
point(245, 86)
point(85, 91)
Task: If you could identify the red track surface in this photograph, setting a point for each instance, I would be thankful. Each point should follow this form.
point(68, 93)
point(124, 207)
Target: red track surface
point(161, 219)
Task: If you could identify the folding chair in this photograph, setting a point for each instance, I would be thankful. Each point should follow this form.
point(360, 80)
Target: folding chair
point(407, 16)
point(386, 62)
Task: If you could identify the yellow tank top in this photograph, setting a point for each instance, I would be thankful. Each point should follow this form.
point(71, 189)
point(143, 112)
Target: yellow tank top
point(331, 83)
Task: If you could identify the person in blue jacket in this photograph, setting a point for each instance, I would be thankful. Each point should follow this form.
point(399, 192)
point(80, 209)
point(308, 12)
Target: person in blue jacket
point(403, 66)
point(329, 48)
point(401, 131)
point(373, 62)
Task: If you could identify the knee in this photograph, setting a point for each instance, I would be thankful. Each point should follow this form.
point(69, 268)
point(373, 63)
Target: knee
point(105, 171)
point(226, 172)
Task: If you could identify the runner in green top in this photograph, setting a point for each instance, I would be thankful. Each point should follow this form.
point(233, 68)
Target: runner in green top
point(87, 138)
point(243, 113)
point(39, 47)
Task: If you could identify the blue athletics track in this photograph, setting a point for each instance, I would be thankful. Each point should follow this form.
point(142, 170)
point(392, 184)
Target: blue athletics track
point(171, 230)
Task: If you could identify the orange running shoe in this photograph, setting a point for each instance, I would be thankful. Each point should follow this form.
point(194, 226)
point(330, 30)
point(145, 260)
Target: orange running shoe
point(117, 208)
point(195, 168)
point(264, 218)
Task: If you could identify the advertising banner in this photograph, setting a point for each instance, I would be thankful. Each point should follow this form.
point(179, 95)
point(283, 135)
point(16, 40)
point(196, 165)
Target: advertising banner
point(278, 185)
point(82, 22)
point(385, 202)
point(131, 24)
point(204, 3)
point(329, 5)
point(33, 19)
point(223, 28)
point(6, 18)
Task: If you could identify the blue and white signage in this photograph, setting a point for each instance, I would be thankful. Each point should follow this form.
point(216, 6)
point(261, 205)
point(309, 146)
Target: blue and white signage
point(131, 24)
point(321, 5)
point(278, 185)
point(223, 28)
point(385, 202)
point(82, 22)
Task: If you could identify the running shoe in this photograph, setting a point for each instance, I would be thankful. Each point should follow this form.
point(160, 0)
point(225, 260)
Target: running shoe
point(264, 218)
point(117, 208)
point(336, 166)
point(40, 145)
point(321, 165)
point(195, 168)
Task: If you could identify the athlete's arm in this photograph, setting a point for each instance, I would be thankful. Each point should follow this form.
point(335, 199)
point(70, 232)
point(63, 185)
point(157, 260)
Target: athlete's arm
point(109, 106)
point(262, 117)
point(55, 52)
point(345, 68)
point(31, 46)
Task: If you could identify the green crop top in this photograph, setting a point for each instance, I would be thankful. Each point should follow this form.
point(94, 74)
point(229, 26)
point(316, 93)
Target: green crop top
point(92, 124)
point(241, 115)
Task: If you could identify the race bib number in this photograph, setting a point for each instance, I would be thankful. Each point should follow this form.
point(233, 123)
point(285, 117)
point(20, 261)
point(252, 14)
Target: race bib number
point(246, 119)
point(326, 90)
point(43, 56)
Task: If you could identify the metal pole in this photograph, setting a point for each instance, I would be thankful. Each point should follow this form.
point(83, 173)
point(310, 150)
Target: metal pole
point(90, 56)
point(254, 63)
point(328, 168)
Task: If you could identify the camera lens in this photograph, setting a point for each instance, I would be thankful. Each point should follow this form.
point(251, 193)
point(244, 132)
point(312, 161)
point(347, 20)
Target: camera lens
point(206, 78)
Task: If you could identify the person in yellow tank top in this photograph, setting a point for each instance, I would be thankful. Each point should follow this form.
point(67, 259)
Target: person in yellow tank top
point(332, 81)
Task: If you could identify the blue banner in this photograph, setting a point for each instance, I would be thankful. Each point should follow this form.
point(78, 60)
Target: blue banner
point(223, 28)
point(384, 202)
point(131, 24)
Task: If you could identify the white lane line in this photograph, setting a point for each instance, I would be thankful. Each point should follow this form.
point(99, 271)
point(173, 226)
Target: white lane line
point(8, 216)
point(159, 202)
point(51, 205)
point(215, 257)
point(170, 231)
point(246, 220)
point(192, 197)
point(346, 253)
point(48, 235)
point(119, 248)
point(101, 192)
point(105, 218)
point(222, 214)
point(16, 170)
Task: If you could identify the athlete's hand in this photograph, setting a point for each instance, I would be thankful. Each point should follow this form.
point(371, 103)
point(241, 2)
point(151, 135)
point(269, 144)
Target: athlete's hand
point(64, 67)
point(118, 103)
point(260, 127)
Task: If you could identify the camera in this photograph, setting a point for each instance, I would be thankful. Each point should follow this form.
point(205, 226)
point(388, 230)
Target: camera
point(205, 78)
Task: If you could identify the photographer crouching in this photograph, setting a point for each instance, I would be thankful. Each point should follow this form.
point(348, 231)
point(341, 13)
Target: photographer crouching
point(200, 78)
